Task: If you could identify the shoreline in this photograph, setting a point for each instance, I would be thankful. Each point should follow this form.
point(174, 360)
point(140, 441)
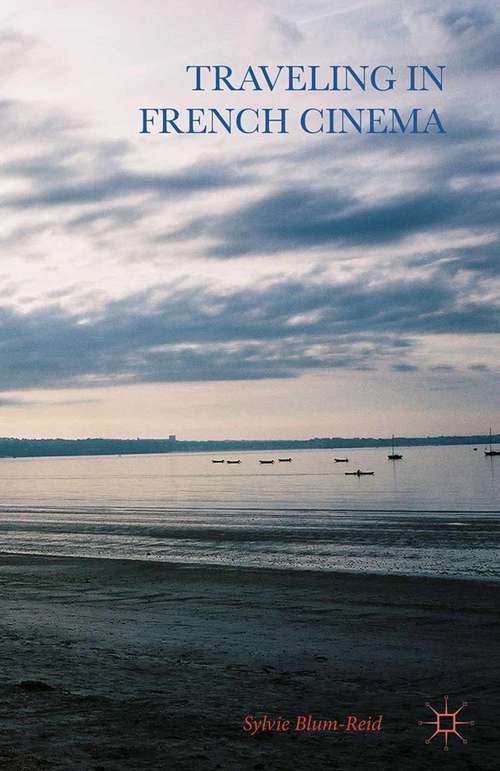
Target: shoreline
point(118, 665)
point(14, 448)
point(209, 566)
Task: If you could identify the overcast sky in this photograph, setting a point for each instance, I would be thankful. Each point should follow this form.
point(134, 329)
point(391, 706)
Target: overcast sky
point(257, 286)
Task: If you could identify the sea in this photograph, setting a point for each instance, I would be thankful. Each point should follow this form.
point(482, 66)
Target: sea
point(436, 512)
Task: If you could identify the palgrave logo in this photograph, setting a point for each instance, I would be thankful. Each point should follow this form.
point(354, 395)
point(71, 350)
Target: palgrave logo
point(446, 723)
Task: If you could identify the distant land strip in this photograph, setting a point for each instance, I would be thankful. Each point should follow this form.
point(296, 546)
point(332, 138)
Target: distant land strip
point(24, 448)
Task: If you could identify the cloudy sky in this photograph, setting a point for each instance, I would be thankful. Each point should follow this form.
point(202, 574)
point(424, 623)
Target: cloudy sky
point(257, 286)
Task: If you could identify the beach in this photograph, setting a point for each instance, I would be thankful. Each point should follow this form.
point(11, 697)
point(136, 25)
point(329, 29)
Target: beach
point(121, 664)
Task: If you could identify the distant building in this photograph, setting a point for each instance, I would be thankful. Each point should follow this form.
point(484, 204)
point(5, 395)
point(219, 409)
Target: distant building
point(172, 438)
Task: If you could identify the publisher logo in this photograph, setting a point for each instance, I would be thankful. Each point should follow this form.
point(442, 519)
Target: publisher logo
point(446, 723)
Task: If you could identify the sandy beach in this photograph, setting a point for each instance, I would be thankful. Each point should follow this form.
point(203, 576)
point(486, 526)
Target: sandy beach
point(115, 665)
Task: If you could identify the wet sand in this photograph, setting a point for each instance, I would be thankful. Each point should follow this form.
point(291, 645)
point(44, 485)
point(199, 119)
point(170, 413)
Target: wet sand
point(120, 665)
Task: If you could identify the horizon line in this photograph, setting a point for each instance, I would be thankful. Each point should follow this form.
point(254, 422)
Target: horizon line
point(173, 439)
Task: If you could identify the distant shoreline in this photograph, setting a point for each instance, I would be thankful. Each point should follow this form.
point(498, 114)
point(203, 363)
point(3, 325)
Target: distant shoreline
point(35, 448)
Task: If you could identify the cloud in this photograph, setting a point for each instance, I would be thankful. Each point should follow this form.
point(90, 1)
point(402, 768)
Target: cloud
point(469, 31)
point(375, 242)
point(287, 30)
point(460, 21)
point(12, 402)
point(16, 402)
point(305, 218)
point(449, 196)
point(172, 334)
point(195, 179)
point(15, 48)
point(402, 367)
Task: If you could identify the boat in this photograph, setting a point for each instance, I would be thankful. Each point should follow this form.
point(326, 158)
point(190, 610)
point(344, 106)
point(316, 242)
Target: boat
point(491, 452)
point(394, 455)
point(266, 461)
point(359, 473)
point(232, 462)
point(284, 460)
point(218, 461)
point(341, 460)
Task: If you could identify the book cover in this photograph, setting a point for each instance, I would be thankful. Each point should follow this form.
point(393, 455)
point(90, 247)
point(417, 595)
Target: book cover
point(250, 416)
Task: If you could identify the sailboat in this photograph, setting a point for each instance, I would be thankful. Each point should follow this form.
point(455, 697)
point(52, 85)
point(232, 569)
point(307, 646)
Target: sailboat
point(394, 455)
point(491, 452)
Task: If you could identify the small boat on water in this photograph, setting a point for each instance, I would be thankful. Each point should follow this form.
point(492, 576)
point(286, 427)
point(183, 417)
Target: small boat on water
point(341, 460)
point(394, 455)
point(359, 473)
point(284, 460)
point(218, 461)
point(232, 462)
point(491, 452)
point(266, 462)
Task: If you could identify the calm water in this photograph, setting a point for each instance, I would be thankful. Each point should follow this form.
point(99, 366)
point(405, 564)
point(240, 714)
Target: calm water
point(436, 512)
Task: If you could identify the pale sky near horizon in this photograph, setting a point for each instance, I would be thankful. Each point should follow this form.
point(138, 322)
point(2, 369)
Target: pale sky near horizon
point(245, 286)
